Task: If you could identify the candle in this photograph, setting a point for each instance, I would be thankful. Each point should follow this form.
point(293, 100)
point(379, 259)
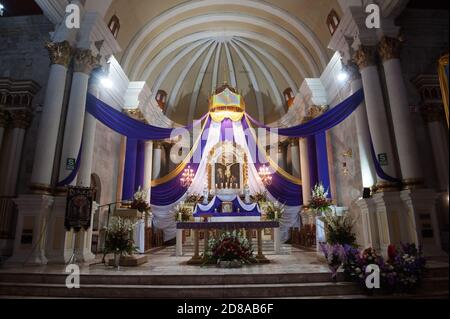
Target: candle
point(179, 217)
point(276, 215)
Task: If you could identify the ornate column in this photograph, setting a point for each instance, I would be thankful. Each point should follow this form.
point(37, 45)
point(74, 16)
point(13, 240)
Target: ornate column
point(4, 118)
point(60, 56)
point(157, 160)
point(21, 120)
point(148, 166)
point(89, 128)
point(84, 62)
point(369, 175)
point(433, 115)
point(295, 155)
point(389, 49)
point(376, 112)
point(305, 173)
point(280, 156)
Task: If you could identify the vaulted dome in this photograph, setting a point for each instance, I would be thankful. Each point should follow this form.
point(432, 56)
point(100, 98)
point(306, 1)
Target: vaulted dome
point(187, 49)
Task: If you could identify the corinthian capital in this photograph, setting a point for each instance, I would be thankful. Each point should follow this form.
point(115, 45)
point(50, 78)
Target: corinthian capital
point(4, 118)
point(389, 48)
point(364, 57)
point(21, 119)
point(84, 61)
point(59, 52)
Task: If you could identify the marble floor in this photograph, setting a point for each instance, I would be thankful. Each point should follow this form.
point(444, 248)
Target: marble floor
point(164, 262)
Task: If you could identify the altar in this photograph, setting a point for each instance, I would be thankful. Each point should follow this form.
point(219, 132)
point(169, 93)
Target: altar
point(212, 228)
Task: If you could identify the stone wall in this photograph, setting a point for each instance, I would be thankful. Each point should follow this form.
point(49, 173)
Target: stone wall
point(24, 57)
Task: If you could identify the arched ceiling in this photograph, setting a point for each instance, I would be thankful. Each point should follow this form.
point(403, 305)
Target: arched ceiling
point(188, 48)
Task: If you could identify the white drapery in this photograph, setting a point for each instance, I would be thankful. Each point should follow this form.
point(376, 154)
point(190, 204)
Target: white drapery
point(163, 216)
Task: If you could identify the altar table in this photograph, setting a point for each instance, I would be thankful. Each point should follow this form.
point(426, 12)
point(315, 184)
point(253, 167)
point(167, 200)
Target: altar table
point(227, 226)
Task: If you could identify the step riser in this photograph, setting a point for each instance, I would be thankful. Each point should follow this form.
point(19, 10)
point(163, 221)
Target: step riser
point(181, 293)
point(173, 280)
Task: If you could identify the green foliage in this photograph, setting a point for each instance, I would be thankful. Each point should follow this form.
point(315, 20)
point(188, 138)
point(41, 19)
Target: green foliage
point(118, 238)
point(339, 229)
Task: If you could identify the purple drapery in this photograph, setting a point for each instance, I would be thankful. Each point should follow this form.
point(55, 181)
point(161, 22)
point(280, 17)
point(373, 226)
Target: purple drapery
point(282, 189)
point(140, 165)
point(172, 191)
point(380, 172)
point(126, 125)
point(322, 123)
point(312, 158)
point(129, 181)
point(322, 161)
point(226, 130)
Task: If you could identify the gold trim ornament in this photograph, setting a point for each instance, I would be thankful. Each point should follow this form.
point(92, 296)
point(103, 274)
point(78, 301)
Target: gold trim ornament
point(443, 79)
point(84, 61)
point(226, 103)
point(60, 52)
point(21, 119)
point(365, 56)
point(4, 118)
point(389, 48)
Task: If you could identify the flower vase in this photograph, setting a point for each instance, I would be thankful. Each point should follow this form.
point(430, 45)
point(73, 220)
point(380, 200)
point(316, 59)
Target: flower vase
point(117, 260)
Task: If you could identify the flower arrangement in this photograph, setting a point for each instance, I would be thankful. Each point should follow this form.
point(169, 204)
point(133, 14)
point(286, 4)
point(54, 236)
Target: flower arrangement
point(194, 199)
point(118, 237)
point(319, 199)
point(182, 213)
point(231, 249)
point(260, 198)
point(402, 272)
point(339, 229)
point(274, 211)
point(140, 201)
point(335, 256)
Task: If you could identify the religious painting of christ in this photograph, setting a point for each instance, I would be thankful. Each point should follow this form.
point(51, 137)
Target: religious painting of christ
point(227, 176)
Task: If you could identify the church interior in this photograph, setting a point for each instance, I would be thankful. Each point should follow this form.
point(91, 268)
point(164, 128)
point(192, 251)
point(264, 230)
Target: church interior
point(224, 149)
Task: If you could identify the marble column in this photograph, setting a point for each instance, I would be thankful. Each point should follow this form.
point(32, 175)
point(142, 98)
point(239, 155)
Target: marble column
point(21, 120)
point(148, 173)
point(89, 128)
point(295, 155)
point(84, 62)
point(4, 118)
point(389, 49)
point(433, 115)
point(157, 152)
point(368, 172)
point(376, 112)
point(60, 56)
point(280, 156)
point(305, 173)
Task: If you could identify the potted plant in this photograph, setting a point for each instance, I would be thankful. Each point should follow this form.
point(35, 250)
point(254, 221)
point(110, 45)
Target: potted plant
point(319, 200)
point(230, 250)
point(182, 213)
point(339, 229)
point(118, 239)
point(274, 211)
point(140, 202)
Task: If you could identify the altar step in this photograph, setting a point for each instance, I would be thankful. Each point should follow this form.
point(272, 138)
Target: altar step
point(121, 285)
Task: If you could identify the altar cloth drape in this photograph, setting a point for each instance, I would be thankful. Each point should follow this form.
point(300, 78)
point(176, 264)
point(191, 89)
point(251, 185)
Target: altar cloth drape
point(322, 123)
point(127, 126)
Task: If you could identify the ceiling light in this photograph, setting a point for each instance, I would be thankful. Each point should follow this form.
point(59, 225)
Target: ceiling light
point(342, 76)
point(106, 83)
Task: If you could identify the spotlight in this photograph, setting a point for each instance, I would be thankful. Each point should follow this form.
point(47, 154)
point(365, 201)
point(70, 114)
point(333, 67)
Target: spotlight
point(2, 8)
point(106, 82)
point(342, 76)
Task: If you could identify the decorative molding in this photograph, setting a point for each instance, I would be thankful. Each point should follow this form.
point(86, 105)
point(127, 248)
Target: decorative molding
point(4, 118)
point(85, 62)
point(315, 111)
point(389, 48)
point(365, 56)
point(60, 52)
point(135, 114)
point(21, 118)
